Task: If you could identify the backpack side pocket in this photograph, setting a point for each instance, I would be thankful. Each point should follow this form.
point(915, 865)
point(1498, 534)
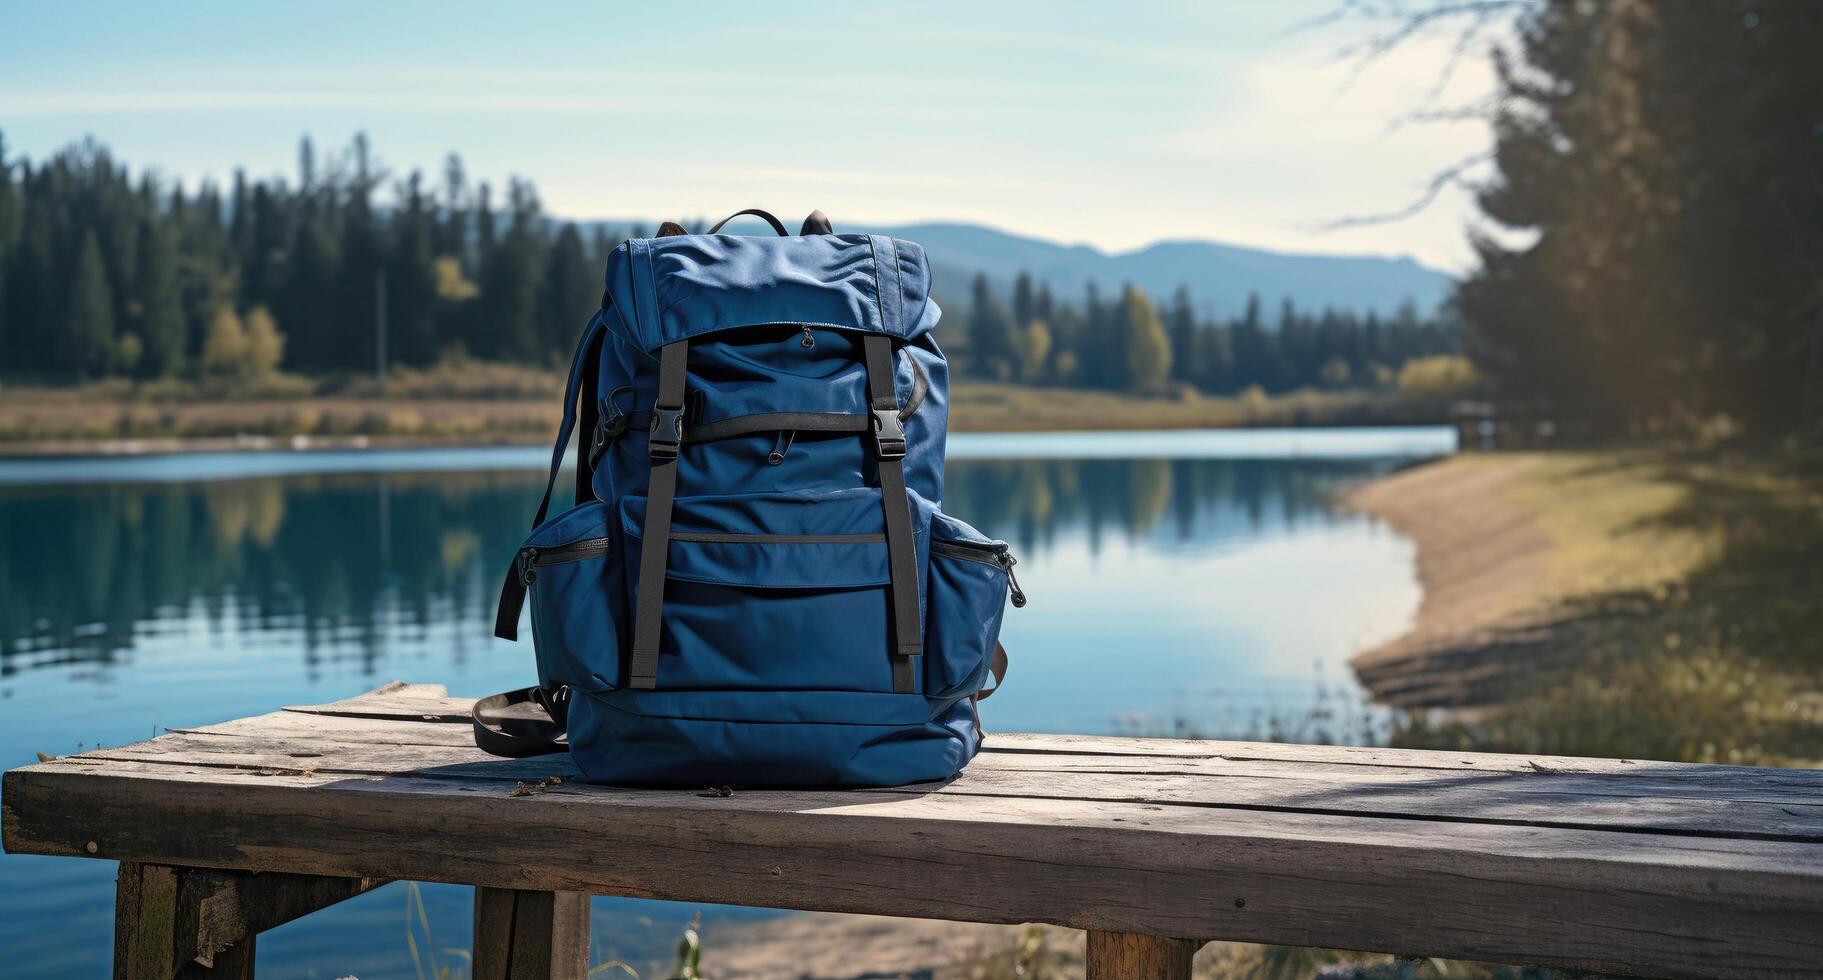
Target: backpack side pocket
point(970, 579)
point(573, 575)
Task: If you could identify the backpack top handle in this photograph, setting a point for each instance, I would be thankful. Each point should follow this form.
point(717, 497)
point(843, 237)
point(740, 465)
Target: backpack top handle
point(777, 225)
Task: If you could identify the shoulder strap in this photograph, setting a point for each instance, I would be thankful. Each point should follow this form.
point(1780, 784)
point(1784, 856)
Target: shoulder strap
point(579, 399)
point(901, 555)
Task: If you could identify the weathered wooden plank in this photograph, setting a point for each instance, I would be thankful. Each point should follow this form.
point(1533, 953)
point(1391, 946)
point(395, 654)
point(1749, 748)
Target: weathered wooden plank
point(1016, 743)
point(1133, 956)
point(330, 755)
point(424, 702)
point(1571, 800)
point(530, 935)
point(288, 724)
point(1671, 779)
point(1580, 899)
point(178, 922)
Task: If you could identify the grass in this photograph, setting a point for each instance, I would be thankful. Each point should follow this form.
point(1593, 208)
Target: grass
point(1685, 621)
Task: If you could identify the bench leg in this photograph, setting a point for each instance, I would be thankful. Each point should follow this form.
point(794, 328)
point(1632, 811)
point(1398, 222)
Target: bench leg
point(1133, 956)
point(172, 923)
point(521, 935)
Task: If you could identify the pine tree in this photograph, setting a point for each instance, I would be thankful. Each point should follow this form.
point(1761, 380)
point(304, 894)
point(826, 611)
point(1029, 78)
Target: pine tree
point(1024, 301)
point(1181, 327)
point(161, 319)
point(452, 231)
point(1646, 166)
point(12, 220)
point(569, 292)
point(88, 328)
point(1095, 343)
point(993, 340)
point(511, 280)
point(307, 309)
point(1252, 352)
point(411, 280)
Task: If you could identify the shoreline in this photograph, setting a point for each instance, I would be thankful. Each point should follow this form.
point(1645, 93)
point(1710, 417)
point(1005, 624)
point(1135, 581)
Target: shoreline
point(1485, 568)
point(103, 421)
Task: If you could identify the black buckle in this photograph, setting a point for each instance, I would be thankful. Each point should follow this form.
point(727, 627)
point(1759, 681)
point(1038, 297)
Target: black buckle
point(667, 433)
point(889, 435)
point(611, 427)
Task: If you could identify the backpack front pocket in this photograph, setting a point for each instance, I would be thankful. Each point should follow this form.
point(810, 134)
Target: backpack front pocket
point(574, 581)
point(970, 577)
point(773, 591)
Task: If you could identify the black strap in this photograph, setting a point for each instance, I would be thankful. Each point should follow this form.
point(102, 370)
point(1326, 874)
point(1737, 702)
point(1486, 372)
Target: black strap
point(588, 421)
point(817, 223)
point(666, 438)
point(584, 370)
point(777, 225)
point(529, 721)
point(901, 555)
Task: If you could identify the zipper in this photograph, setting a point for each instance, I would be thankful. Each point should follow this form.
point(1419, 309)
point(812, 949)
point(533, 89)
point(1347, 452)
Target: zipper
point(809, 341)
point(777, 538)
point(986, 554)
point(530, 558)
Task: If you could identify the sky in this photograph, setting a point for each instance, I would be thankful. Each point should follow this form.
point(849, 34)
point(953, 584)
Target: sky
point(1114, 125)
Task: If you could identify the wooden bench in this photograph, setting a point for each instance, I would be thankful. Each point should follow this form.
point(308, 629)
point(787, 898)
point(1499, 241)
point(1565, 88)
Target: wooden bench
point(1150, 845)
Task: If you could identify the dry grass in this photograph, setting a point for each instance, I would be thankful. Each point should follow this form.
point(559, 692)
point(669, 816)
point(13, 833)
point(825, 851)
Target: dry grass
point(1679, 617)
point(476, 402)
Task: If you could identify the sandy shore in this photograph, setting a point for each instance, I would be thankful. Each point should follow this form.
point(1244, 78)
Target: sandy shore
point(1485, 566)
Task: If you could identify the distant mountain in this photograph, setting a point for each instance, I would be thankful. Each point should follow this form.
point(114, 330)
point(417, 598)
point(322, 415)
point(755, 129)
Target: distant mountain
point(1219, 276)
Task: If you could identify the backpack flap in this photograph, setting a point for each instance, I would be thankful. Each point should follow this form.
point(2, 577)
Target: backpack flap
point(683, 287)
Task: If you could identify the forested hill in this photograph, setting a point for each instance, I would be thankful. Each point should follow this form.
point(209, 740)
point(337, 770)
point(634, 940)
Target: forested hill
point(1220, 277)
point(347, 267)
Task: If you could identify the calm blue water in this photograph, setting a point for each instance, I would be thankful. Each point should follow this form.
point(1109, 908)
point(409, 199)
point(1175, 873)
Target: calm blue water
point(146, 593)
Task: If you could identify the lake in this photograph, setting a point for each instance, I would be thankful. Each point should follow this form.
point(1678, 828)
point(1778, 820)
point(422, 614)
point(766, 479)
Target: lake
point(1189, 582)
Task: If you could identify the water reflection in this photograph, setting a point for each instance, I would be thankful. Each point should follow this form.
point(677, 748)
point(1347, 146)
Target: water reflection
point(85, 572)
point(345, 560)
point(1161, 502)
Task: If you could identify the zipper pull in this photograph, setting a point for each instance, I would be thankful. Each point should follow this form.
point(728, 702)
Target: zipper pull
point(808, 342)
point(528, 559)
point(1007, 561)
point(781, 444)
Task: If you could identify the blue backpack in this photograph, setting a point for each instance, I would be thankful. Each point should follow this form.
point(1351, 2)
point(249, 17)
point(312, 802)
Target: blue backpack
point(757, 584)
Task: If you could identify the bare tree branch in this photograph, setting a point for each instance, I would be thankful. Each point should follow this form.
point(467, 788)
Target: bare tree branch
point(1482, 110)
point(1453, 176)
point(1399, 22)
